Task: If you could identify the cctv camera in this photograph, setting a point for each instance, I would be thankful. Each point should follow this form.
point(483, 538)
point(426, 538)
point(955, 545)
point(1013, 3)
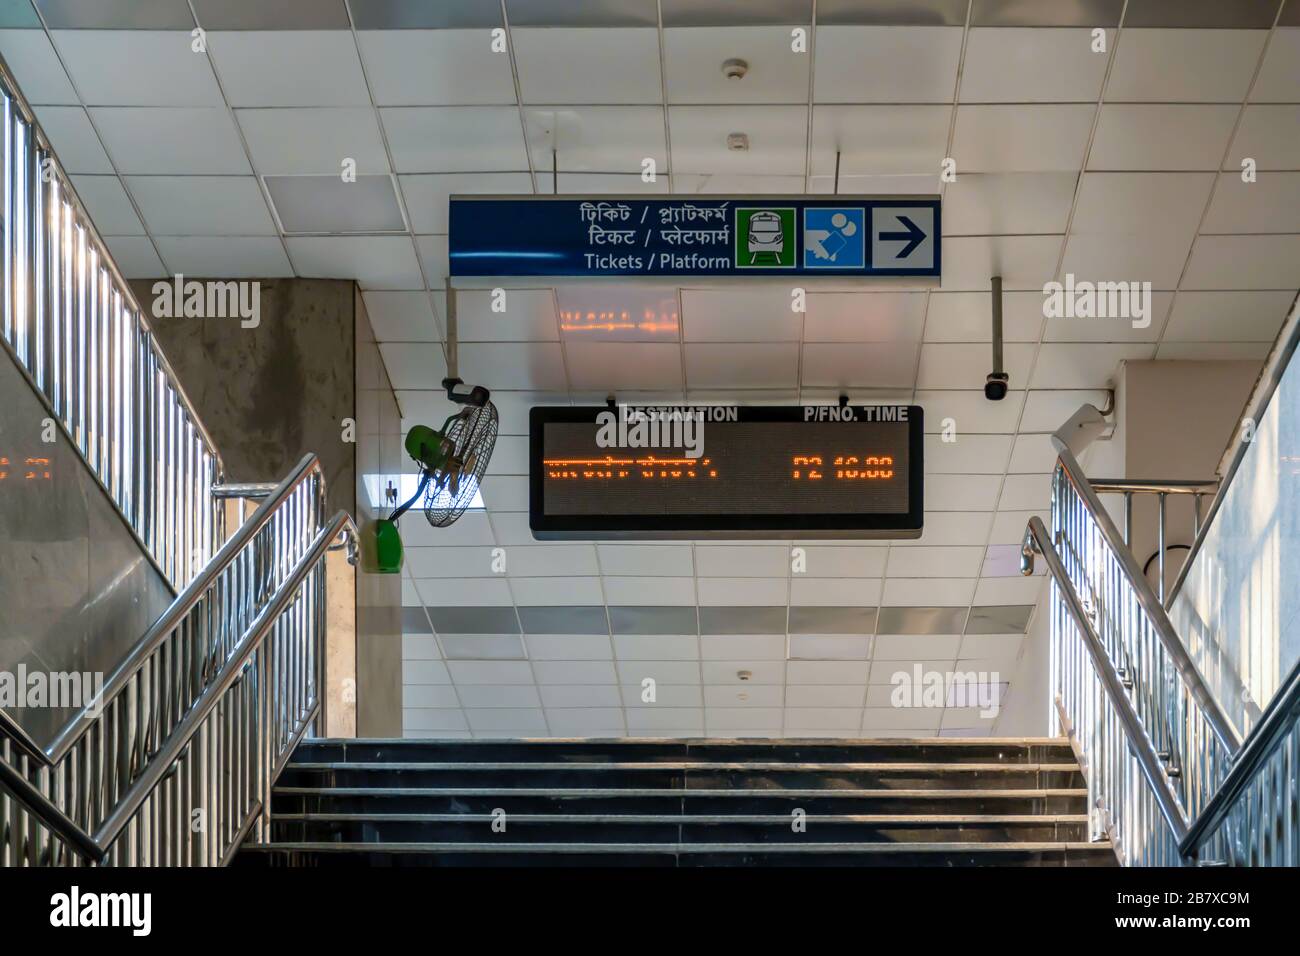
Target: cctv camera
point(995, 386)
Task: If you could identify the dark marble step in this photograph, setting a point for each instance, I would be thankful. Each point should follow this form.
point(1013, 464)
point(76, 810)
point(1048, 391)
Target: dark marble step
point(676, 854)
point(689, 775)
point(948, 750)
point(550, 800)
point(667, 828)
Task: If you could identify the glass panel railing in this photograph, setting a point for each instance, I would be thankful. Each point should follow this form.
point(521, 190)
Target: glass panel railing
point(71, 323)
point(1237, 607)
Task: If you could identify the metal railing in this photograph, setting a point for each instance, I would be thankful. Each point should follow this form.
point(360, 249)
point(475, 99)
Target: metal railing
point(1188, 731)
point(72, 325)
point(174, 764)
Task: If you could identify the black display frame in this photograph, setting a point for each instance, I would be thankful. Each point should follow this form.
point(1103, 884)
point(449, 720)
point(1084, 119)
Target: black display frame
point(862, 525)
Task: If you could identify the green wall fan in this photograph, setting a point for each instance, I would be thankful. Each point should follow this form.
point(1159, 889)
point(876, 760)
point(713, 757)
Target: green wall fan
point(452, 461)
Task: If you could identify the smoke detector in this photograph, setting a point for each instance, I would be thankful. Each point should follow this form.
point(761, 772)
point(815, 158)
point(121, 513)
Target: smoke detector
point(737, 142)
point(734, 69)
point(744, 675)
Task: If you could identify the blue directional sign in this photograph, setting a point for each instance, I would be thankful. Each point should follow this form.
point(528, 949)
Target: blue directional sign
point(688, 236)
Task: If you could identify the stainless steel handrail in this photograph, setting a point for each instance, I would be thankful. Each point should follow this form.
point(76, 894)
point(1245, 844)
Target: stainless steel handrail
point(167, 754)
point(96, 848)
point(1222, 728)
point(1037, 538)
point(184, 603)
point(1279, 718)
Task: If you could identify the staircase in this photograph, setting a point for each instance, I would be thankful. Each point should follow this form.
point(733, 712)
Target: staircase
point(931, 802)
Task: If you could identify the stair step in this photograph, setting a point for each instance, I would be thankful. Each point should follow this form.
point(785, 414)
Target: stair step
point(683, 854)
point(685, 774)
point(701, 828)
point(949, 750)
point(287, 799)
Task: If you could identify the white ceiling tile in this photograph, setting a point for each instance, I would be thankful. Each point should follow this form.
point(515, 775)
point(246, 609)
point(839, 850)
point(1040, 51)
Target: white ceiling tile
point(575, 672)
point(188, 141)
point(1165, 204)
point(901, 721)
point(736, 184)
point(426, 196)
point(625, 312)
point(999, 647)
point(568, 647)
point(1109, 328)
point(202, 205)
point(252, 257)
point(109, 207)
point(135, 257)
point(982, 204)
point(999, 138)
point(505, 493)
point(1243, 262)
point(548, 592)
point(510, 721)
point(608, 139)
point(36, 67)
point(1032, 454)
point(1279, 76)
point(610, 65)
point(1191, 136)
point(376, 262)
point(970, 412)
point(589, 184)
point(657, 647)
point(663, 560)
point(865, 64)
point(402, 317)
point(956, 366)
point(693, 58)
point(825, 695)
point(932, 562)
point(435, 67)
point(834, 592)
point(1125, 257)
point(736, 365)
point(464, 592)
point(447, 139)
point(777, 137)
point(1188, 66)
point(630, 591)
point(680, 721)
point(967, 316)
point(507, 365)
point(726, 647)
point(1270, 204)
point(1083, 365)
point(840, 561)
point(1024, 262)
point(759, 313)
point(552, 560)
point(289, 68)
point(927, 592)
point(961, 493)
point(163, 69)
point(1228, 316)
point(828, 672)
point(727, 673)
point(876, 140)
point(313, 140)
point(1270, 135)
point(74, 139)
point(618, 366)
point(743, 592)
point(1033, 64)
point(876, 365)
point(529, 316)
point(1009, 526)
point(950, 528)
point(864, 317)
point(742, 561)
point(969, 453)
point(1026, 492)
